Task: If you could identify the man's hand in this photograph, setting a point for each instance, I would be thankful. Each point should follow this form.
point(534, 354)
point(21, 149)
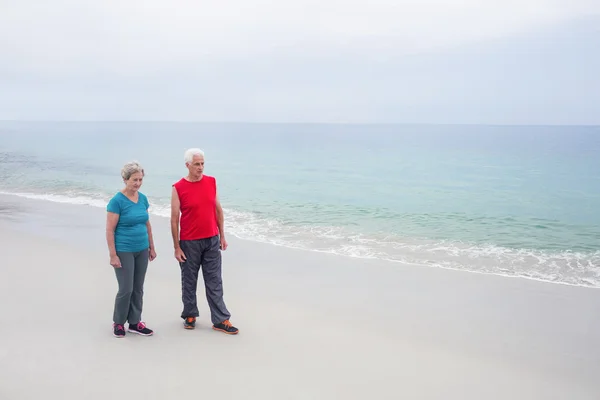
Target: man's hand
point(223, 243)
point(179, 255)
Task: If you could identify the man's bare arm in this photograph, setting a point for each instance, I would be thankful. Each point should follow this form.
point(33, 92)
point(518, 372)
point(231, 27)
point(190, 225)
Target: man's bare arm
point(175, 208)
point(220, 218)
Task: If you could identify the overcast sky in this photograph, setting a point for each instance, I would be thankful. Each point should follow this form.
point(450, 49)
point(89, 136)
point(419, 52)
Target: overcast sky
point(431, 61)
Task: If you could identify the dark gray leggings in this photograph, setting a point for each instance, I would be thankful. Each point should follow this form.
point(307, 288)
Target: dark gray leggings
point(131, 275)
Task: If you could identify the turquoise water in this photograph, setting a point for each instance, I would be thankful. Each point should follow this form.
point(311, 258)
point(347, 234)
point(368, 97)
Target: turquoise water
point(515, 201)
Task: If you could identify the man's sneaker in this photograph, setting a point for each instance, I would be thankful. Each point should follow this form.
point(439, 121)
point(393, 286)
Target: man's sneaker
point(118, 330)
point(140, 329)
point(189, 323)
point(226, 327)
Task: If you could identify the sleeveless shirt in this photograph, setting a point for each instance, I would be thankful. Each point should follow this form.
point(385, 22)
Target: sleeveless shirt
point(198, 202)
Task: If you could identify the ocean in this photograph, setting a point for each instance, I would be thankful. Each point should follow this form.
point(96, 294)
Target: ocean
point(517, 201)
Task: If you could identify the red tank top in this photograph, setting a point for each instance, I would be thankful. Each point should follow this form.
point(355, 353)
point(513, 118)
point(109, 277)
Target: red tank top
point(198, 202)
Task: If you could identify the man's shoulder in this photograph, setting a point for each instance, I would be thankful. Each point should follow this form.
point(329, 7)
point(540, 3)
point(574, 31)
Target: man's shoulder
point(179, 182)
point(211, 182)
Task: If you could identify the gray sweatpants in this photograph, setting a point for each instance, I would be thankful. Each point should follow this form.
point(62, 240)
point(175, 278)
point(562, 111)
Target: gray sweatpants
point(131, 275)
point(205, 253)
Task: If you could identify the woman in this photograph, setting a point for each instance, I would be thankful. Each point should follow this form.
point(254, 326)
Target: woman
point(130, 245)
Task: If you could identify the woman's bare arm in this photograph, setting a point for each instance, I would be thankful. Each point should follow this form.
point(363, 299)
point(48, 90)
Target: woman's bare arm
point(150, 237)
point(111, 223)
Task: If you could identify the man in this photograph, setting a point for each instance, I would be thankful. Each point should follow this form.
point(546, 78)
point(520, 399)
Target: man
point(199, 241)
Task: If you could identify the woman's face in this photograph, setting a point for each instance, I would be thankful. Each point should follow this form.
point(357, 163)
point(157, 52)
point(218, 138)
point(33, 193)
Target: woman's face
point(134, 182)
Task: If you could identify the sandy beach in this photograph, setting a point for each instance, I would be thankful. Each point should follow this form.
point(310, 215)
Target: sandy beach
point(312, 325)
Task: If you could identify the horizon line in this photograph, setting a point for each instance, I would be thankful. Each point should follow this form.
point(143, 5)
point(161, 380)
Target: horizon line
point(304, 123)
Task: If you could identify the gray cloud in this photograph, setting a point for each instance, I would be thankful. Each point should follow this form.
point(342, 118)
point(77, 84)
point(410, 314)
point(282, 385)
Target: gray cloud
point(351, 61)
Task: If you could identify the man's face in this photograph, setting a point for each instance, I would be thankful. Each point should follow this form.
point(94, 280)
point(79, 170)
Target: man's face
point(196, 167)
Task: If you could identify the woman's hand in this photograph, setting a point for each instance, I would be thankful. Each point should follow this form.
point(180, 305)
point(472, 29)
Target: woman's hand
point(152, 254)
point(115, 261)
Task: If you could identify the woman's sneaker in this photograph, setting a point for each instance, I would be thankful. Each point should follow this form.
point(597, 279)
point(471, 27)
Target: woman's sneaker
point(118, 330)
point(140, 329)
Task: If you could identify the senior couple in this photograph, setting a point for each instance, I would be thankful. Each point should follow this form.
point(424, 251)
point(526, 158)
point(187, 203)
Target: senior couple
point(198, 238)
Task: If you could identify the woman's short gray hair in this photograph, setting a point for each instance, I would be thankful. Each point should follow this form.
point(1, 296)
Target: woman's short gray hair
point(131, 168)
point(189, 154)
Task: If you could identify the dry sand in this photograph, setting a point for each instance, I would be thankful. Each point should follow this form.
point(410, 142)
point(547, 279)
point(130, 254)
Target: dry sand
point(312, 325)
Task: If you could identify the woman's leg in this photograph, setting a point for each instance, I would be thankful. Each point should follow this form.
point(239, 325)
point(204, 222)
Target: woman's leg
point(137, 297)
point(125, 278)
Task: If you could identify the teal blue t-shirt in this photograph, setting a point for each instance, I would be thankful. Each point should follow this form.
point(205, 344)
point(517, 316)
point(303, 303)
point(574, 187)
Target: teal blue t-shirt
point(131, 234)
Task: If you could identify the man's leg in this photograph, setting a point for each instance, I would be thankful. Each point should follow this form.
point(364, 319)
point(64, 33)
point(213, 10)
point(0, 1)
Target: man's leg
point(189, 277)
point(211, 272)
point(122, 300)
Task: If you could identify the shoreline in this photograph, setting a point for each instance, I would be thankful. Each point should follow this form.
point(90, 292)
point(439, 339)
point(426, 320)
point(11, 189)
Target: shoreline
point(312, 325)
point(65, 201)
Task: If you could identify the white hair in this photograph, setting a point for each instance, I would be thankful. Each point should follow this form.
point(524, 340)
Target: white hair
point(131, 168)
point(188, 157)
